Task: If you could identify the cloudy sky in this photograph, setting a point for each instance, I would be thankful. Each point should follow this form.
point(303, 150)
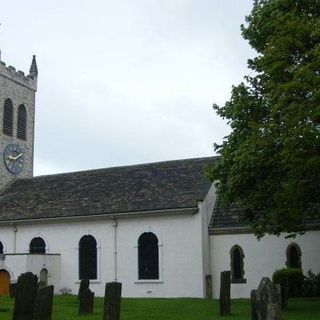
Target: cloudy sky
point(126, 81)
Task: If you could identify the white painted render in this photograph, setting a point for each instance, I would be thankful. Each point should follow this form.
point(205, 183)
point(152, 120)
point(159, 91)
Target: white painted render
point(181, 252)
point(261, 259)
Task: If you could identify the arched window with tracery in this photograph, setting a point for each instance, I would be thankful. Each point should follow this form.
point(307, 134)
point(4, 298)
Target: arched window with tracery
point(148, 256)
point(293, 256)
point(37, 245)
point(88, 257)
point(8, 118)
point(237, 265)
point(22, 123)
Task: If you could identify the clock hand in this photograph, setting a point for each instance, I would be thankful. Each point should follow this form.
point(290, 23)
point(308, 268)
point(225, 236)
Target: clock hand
point(18, 156)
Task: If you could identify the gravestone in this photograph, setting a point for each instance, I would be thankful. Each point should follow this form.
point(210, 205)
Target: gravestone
point(112, 301)
point(208, 286)
point(225, 285)
point(86, 302)
point(26, 291)
point(253, 296)
point(41, 285)
point(43, 306)
point(13, 287)
point(84, 285)
point(267, 300)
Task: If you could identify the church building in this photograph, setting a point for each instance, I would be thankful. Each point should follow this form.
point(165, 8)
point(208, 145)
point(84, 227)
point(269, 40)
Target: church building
point(156, 227)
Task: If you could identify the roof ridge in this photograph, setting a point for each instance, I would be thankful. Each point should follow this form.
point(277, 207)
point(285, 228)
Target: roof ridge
point(120, 167)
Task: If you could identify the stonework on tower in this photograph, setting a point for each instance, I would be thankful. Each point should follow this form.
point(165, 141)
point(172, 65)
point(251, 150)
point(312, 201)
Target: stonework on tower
point(17, 112)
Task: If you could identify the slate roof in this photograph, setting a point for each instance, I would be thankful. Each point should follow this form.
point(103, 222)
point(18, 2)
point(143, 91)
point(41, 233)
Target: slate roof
point(229, 218)
point(154, 186)
point(223, 217)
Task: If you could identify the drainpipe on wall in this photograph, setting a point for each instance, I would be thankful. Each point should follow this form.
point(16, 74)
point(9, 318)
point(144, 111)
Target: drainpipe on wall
point(115, 225)
point(15, 230)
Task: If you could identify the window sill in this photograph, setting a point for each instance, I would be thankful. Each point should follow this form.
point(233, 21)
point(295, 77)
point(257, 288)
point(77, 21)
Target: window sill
point(148, 281)
point(91, 281)
point(238, 281)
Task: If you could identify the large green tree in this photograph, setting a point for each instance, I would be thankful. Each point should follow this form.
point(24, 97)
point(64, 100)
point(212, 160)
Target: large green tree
point(270, 163)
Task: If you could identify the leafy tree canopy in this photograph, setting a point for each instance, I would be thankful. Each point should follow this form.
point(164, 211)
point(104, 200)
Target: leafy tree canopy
point(270, 163)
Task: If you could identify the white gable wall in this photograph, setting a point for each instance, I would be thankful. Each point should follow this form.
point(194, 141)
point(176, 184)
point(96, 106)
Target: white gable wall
point(261, 259)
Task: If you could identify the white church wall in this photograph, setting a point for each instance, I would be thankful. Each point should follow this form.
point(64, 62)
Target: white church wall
point(261, 259)
point(181, 269)
point(205, 209)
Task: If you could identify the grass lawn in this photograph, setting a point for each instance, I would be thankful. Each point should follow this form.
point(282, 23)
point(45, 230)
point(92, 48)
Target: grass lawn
point(66, 308)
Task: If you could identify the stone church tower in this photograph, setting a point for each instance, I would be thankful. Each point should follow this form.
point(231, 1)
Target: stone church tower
point(17, 111)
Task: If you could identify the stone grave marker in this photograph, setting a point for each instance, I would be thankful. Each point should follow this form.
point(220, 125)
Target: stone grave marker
point(43, 305)
point(26, 291)
point(267, 300)
point(84, 285)
point(13, 287)
point(86, 302)
point(41, 285)
point(253, 296)
point(225, 284)
point(112, 301)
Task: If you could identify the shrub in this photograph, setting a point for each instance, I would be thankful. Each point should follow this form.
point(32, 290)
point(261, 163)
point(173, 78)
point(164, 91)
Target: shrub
point(65, 291)
point(311, 285)
point(292, 277)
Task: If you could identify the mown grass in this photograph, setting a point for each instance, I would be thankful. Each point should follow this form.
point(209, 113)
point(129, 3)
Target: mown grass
point(66, 308)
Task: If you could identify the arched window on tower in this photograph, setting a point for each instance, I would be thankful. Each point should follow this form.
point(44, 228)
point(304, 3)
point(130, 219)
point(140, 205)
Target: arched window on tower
point(1, 248)
point(148, 256)
point(37, 245)
point(88, 258)
point(237, 265)
point(22, 123)
point(293, 256)
point(8, 118)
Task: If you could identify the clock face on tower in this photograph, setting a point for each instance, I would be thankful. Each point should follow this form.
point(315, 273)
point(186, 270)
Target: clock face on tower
point(13, 157)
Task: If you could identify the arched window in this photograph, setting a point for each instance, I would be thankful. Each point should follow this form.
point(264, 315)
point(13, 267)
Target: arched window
point(148, 256)
point(293, 256)
point(8, 118)
point(87, 258)
point(22, 123)
point(1, 248)
point(236, 264)
point(37, 245)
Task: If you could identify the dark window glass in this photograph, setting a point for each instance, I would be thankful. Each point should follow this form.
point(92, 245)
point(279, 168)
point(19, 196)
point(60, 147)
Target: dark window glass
point(293, 256)
point(148, 256)
point(22, 123)
point(88, 258)
point(8, 117)
point(37, 245)
point(1, 248)
point(237, 265)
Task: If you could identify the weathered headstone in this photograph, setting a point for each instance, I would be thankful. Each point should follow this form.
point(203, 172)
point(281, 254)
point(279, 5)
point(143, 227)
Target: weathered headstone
point(268, 300)
point(84, 285)
point(253, 296)
point(86, 302)
point(225, 285)
point(112, 301)
point(208, 286)
point(13, 287)
point(26, 291)
point(41, 285)
point(43, 306)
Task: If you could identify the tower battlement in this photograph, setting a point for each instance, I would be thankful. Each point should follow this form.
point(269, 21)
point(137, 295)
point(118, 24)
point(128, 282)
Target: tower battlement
point(10, 72)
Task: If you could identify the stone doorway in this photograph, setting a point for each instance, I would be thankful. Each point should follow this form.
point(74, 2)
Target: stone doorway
point(4, 283)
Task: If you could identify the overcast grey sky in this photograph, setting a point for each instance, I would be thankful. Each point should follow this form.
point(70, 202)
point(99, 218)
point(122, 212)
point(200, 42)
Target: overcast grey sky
point(126, 81)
